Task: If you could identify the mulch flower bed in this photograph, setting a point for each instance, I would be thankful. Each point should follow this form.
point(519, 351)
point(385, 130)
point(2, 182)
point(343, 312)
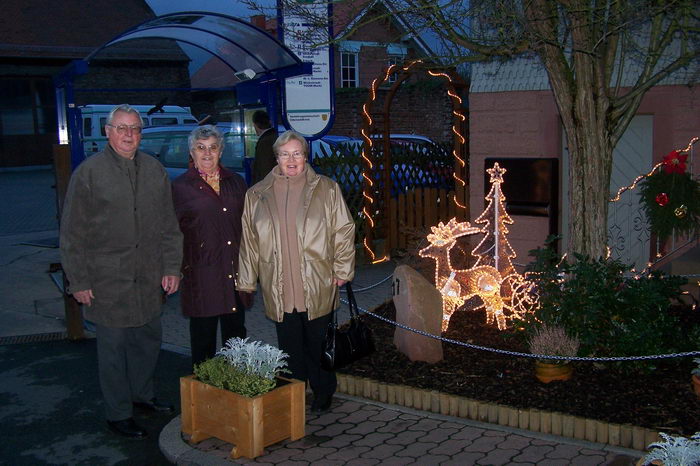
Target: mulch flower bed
point(662, 399)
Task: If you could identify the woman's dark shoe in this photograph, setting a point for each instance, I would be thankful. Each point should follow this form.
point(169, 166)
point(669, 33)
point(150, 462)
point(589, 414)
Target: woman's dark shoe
point(127, 428)
point(155, 406)
point(321, 405)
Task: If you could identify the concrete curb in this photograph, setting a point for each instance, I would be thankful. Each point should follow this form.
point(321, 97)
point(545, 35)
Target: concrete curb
point(179, 452)
point(492, 415)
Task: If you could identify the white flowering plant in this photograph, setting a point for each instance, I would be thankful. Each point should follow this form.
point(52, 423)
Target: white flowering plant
point(696, 369)
point(676, 451)
point(248, 368)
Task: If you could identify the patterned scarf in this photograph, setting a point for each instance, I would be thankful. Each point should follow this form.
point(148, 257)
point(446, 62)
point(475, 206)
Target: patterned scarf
point(212, 180)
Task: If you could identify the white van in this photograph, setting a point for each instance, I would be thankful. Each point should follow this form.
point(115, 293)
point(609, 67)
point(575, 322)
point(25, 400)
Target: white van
point(95, 117)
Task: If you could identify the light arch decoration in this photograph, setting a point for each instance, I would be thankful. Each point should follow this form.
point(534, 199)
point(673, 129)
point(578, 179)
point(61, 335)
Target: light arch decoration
point(459, 152)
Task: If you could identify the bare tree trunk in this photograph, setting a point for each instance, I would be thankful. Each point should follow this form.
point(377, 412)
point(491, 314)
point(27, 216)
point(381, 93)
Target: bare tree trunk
point(590, 164)
point(589, 185)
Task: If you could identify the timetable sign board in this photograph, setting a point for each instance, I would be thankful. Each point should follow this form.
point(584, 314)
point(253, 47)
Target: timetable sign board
point(309, 99)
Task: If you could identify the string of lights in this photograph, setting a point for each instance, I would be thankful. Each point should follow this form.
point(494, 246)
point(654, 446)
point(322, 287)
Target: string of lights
point(369, 211)
point(651, 172)
point(687, 149)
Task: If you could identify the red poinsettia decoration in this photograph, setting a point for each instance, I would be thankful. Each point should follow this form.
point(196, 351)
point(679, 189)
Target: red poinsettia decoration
point(674, 162)
point(662, 199)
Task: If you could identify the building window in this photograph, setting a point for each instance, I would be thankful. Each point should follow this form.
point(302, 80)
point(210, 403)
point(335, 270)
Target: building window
point(27, 106)
point(348, 69)
point(393, 60)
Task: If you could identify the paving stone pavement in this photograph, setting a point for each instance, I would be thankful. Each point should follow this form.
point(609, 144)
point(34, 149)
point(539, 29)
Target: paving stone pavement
point(353, 432)
point(31, 209)
point(357, 432)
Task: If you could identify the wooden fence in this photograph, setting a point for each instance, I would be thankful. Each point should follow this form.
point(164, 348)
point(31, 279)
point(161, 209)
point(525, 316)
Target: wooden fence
point(418, 208)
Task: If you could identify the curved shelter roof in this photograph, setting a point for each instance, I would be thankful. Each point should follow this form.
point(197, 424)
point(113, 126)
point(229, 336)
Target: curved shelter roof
point(237, 44)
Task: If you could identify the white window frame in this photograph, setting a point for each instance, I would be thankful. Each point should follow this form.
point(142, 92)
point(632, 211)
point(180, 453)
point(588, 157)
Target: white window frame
point(353, 70)
point(393, 60)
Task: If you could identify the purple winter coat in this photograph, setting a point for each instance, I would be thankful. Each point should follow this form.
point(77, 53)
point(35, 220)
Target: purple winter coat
point(211, 225)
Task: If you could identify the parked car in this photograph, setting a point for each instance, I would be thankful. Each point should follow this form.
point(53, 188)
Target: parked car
point(169, 145)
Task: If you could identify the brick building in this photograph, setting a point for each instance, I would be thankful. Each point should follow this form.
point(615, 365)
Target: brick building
point(38, 38)
point(365, 50)
point(514, 120)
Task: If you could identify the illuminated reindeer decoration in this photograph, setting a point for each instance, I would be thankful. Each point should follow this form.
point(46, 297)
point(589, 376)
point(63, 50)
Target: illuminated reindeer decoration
point(505, 294)
point(457, 286)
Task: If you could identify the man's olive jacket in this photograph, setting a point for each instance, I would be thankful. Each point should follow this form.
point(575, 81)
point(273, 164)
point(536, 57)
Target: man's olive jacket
point(325, 238)
point(119, 237)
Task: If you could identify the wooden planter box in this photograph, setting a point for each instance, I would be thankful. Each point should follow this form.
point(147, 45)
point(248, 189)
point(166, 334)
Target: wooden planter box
point(250, 424)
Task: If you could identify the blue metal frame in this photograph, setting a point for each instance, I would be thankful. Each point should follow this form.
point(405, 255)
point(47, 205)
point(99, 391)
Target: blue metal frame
point(68, 113)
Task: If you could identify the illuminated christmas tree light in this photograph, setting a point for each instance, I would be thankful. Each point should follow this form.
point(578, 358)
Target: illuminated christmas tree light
point(494, 249)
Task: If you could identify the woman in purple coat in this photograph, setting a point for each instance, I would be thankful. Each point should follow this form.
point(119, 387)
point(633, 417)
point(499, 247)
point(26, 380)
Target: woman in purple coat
point(208, 202)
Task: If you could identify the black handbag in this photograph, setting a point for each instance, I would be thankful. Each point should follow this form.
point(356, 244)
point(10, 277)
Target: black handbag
point(345, 345)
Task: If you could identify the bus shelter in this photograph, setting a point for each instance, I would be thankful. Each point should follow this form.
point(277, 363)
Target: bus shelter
point(251, 61)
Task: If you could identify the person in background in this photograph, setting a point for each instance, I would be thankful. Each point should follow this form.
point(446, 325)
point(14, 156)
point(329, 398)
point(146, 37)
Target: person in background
point(264, 155)
point(299, 241)
point(121, 249)
point(208, 203)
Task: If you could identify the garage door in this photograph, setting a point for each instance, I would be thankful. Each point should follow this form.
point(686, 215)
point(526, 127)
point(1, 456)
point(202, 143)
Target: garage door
point(628, 233)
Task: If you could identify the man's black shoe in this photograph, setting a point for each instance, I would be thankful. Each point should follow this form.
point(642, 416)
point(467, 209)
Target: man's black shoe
point(127, 428)
point(155, 406)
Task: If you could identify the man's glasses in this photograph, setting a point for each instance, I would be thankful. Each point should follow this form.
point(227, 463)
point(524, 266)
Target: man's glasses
point(291, 155)
point(126, 129)
point(202, 148)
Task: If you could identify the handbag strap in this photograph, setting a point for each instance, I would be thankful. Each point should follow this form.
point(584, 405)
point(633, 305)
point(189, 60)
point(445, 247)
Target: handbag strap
point(333, 310)
point(354, 312)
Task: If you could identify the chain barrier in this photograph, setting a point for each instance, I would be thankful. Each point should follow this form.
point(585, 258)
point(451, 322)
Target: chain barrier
point(527, 355)
point(367, 288)
point(513, 353)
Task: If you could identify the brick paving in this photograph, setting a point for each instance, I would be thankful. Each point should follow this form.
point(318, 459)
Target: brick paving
point(451, 441)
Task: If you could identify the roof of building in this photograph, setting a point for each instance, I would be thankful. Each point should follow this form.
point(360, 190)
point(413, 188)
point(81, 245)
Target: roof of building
point(347, 15)
point(526, 73)
point(66, 29)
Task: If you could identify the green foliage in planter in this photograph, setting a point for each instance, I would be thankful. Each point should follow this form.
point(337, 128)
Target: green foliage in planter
point(248, 368)
point(612, 312)
point(677, 451)
point(219, 373)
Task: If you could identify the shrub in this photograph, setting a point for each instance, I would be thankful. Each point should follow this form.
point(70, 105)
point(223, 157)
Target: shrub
point(552, 340)
point(243, 367)
point(614, 313)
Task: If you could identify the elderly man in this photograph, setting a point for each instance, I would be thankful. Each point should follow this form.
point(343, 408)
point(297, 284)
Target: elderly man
point(121, 249)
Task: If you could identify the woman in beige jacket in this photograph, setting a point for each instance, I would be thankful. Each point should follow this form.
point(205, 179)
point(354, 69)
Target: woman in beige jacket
point(299, 242)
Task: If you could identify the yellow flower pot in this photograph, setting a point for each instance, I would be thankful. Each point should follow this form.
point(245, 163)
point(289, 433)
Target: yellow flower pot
point(696, 384)
point(547, 372)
